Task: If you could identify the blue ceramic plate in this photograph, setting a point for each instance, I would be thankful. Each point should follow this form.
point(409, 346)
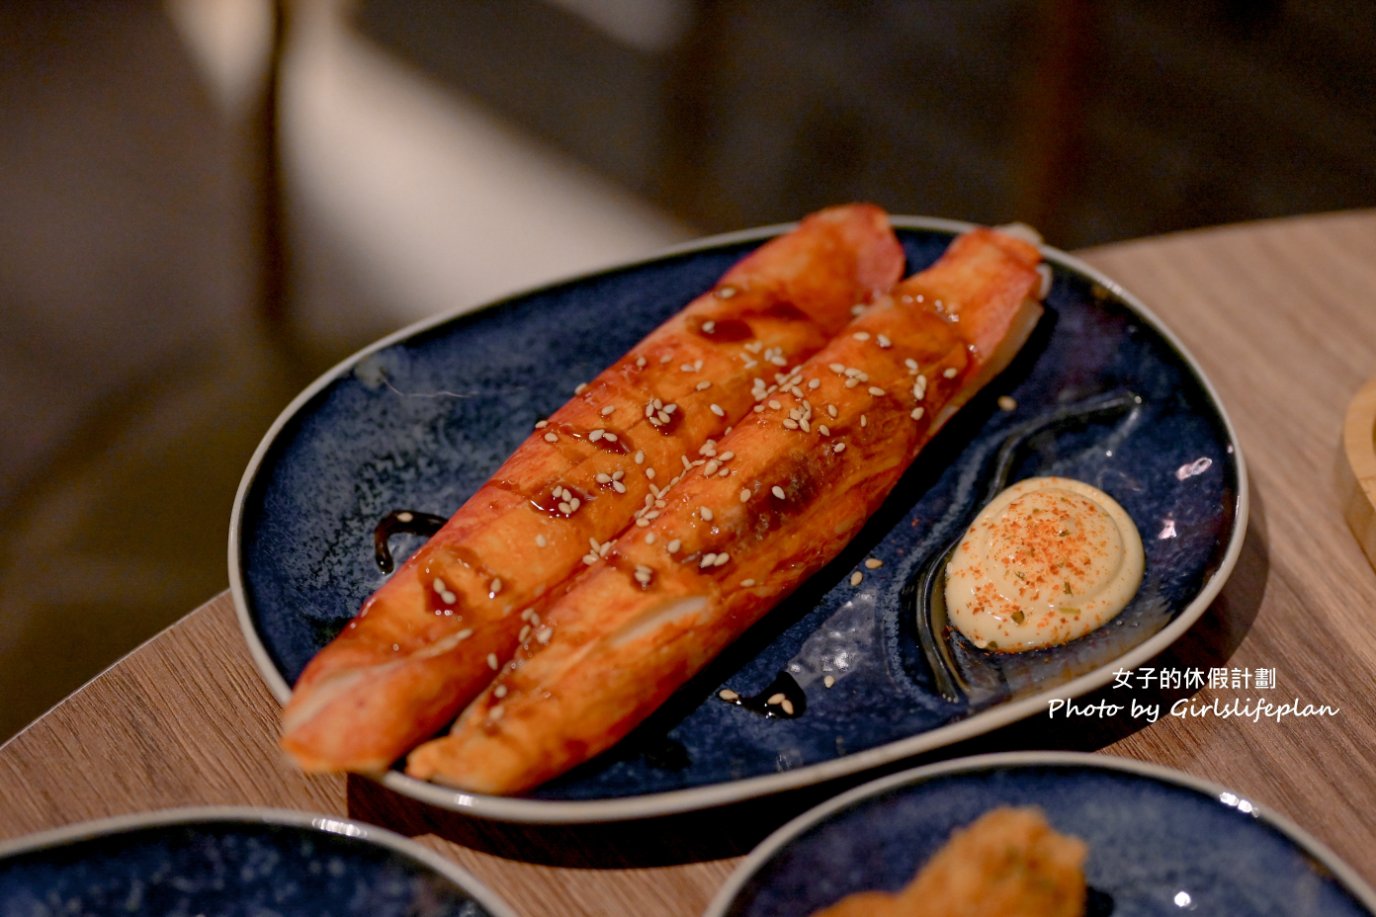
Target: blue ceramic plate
point(231, 861)
point(421, 419)
point(1159, 842)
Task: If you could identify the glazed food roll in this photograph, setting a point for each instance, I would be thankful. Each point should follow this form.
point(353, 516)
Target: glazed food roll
point(434, 634)
point(759, 511)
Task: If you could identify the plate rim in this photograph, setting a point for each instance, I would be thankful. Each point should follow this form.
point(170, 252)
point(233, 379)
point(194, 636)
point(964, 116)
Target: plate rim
point(629, 808)
point(1346, 875)
point(94, 829)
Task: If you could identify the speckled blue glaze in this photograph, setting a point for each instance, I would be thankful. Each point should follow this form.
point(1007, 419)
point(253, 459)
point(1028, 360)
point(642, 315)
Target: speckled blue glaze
point(422, 422)
point(228, 866)
point(1156, 846)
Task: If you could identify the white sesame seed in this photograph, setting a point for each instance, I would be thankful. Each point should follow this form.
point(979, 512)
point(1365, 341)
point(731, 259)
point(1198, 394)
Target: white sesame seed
point(639, 362)
point(861, 335)
point(949, 372)
point(917, 413)
point(828, 680)
point(582, 387)
point(541, 424)
point(673, 546)
point(790, 424)
point(649, 474)
point(499, 691)
point(543, 634)
point(602, 478)
point(912, 365)
point(884, 341)
point(618, 487)
point(864, 420)
point(824, 429)
point(832, 412)
point(596, 435)
point(705, 514)
point(1007, 403)
point(709, 326)
point(717, 409)
point(839, 447)
point(857, 309)
point(495, 586)
point(722, 558)
point(776, 698)
point(874, 563)
point(856, 578)
point(786, 706)
point(745, 494)
point(876, 391)
point(725, 292)
point(778, 491)
point(541, 541)
point(702, 386)
point(607, 411)
point(609, 437)
point(639, 457)
point(551, 438)
point(496, 713)
point(464, 634)
point(747, 583)
point(492, 661)
point(649, 537)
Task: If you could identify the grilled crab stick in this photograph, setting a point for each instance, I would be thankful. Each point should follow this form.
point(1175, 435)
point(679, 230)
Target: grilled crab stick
point(769, 505)
point(431, 637)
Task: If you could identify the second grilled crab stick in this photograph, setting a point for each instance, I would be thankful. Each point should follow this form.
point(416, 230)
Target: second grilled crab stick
point(782, 495)
point(432, 636)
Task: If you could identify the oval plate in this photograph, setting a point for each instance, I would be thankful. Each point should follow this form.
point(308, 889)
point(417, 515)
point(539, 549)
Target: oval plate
point(1159, 842)
point(422, 418)
point(234, 861)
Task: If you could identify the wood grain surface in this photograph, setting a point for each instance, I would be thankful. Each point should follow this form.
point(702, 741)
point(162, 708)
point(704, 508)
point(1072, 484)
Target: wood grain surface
point(1282, 316)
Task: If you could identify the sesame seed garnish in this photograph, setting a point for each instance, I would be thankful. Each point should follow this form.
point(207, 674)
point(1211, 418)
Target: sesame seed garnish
point(551, 438)
point(876, 391)
point(874, 563)
point(726, 291)
point(949, 372)
point(745, 494)
point(1007, 403)
point(716, 409)
point(541, 424)
point(709, 326)
point(606, 412)
point(917, 413)
point(618, 487)
point(702, 386)
point(541, 541)
point(496, 713)
point(582, 387)
point(920, 387)
point(464, 634)
point(705, 514)
point(786, 706)
point(864, 420)
point(492, 661)
point(776, 698)
point(543, 634)
point(609, 437)
point(828, 680)
point(856, 578)
point(747, 583)
point(790, 424)
point(649, 474)
point(596, 435)
point(643, 575)
point(673, 546)
point(639, 457)
point(832, 412)
point(525, 633)
point(649, 537)
point(814, 384)
point(499, 691)
point(884, 341)
point(639, 362)
point(824, 429)
point(728, 695)
point(495, 586)
point(857, 309)
point(839, 447)
point(708, 560)
point(778, 491)
point(861, 335)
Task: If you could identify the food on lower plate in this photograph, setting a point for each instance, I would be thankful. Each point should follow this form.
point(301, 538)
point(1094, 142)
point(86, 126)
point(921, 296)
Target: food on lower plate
point(759, 511)
point(434, 634)
point(1049, 560)
point(1008, 863)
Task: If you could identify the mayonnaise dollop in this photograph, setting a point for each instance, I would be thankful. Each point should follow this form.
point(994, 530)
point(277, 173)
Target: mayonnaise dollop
point(1047, 561)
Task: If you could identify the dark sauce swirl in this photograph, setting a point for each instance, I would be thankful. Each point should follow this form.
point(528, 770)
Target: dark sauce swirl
point(401, 522)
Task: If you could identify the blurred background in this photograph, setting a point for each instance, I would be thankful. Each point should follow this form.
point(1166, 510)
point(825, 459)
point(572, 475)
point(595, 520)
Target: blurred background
point(206, 203)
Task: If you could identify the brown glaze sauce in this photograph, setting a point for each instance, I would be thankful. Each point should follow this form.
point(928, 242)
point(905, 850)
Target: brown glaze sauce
point(401, 522)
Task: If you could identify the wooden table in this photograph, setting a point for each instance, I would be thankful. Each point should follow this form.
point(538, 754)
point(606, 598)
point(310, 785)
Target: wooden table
point(1281, 314)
